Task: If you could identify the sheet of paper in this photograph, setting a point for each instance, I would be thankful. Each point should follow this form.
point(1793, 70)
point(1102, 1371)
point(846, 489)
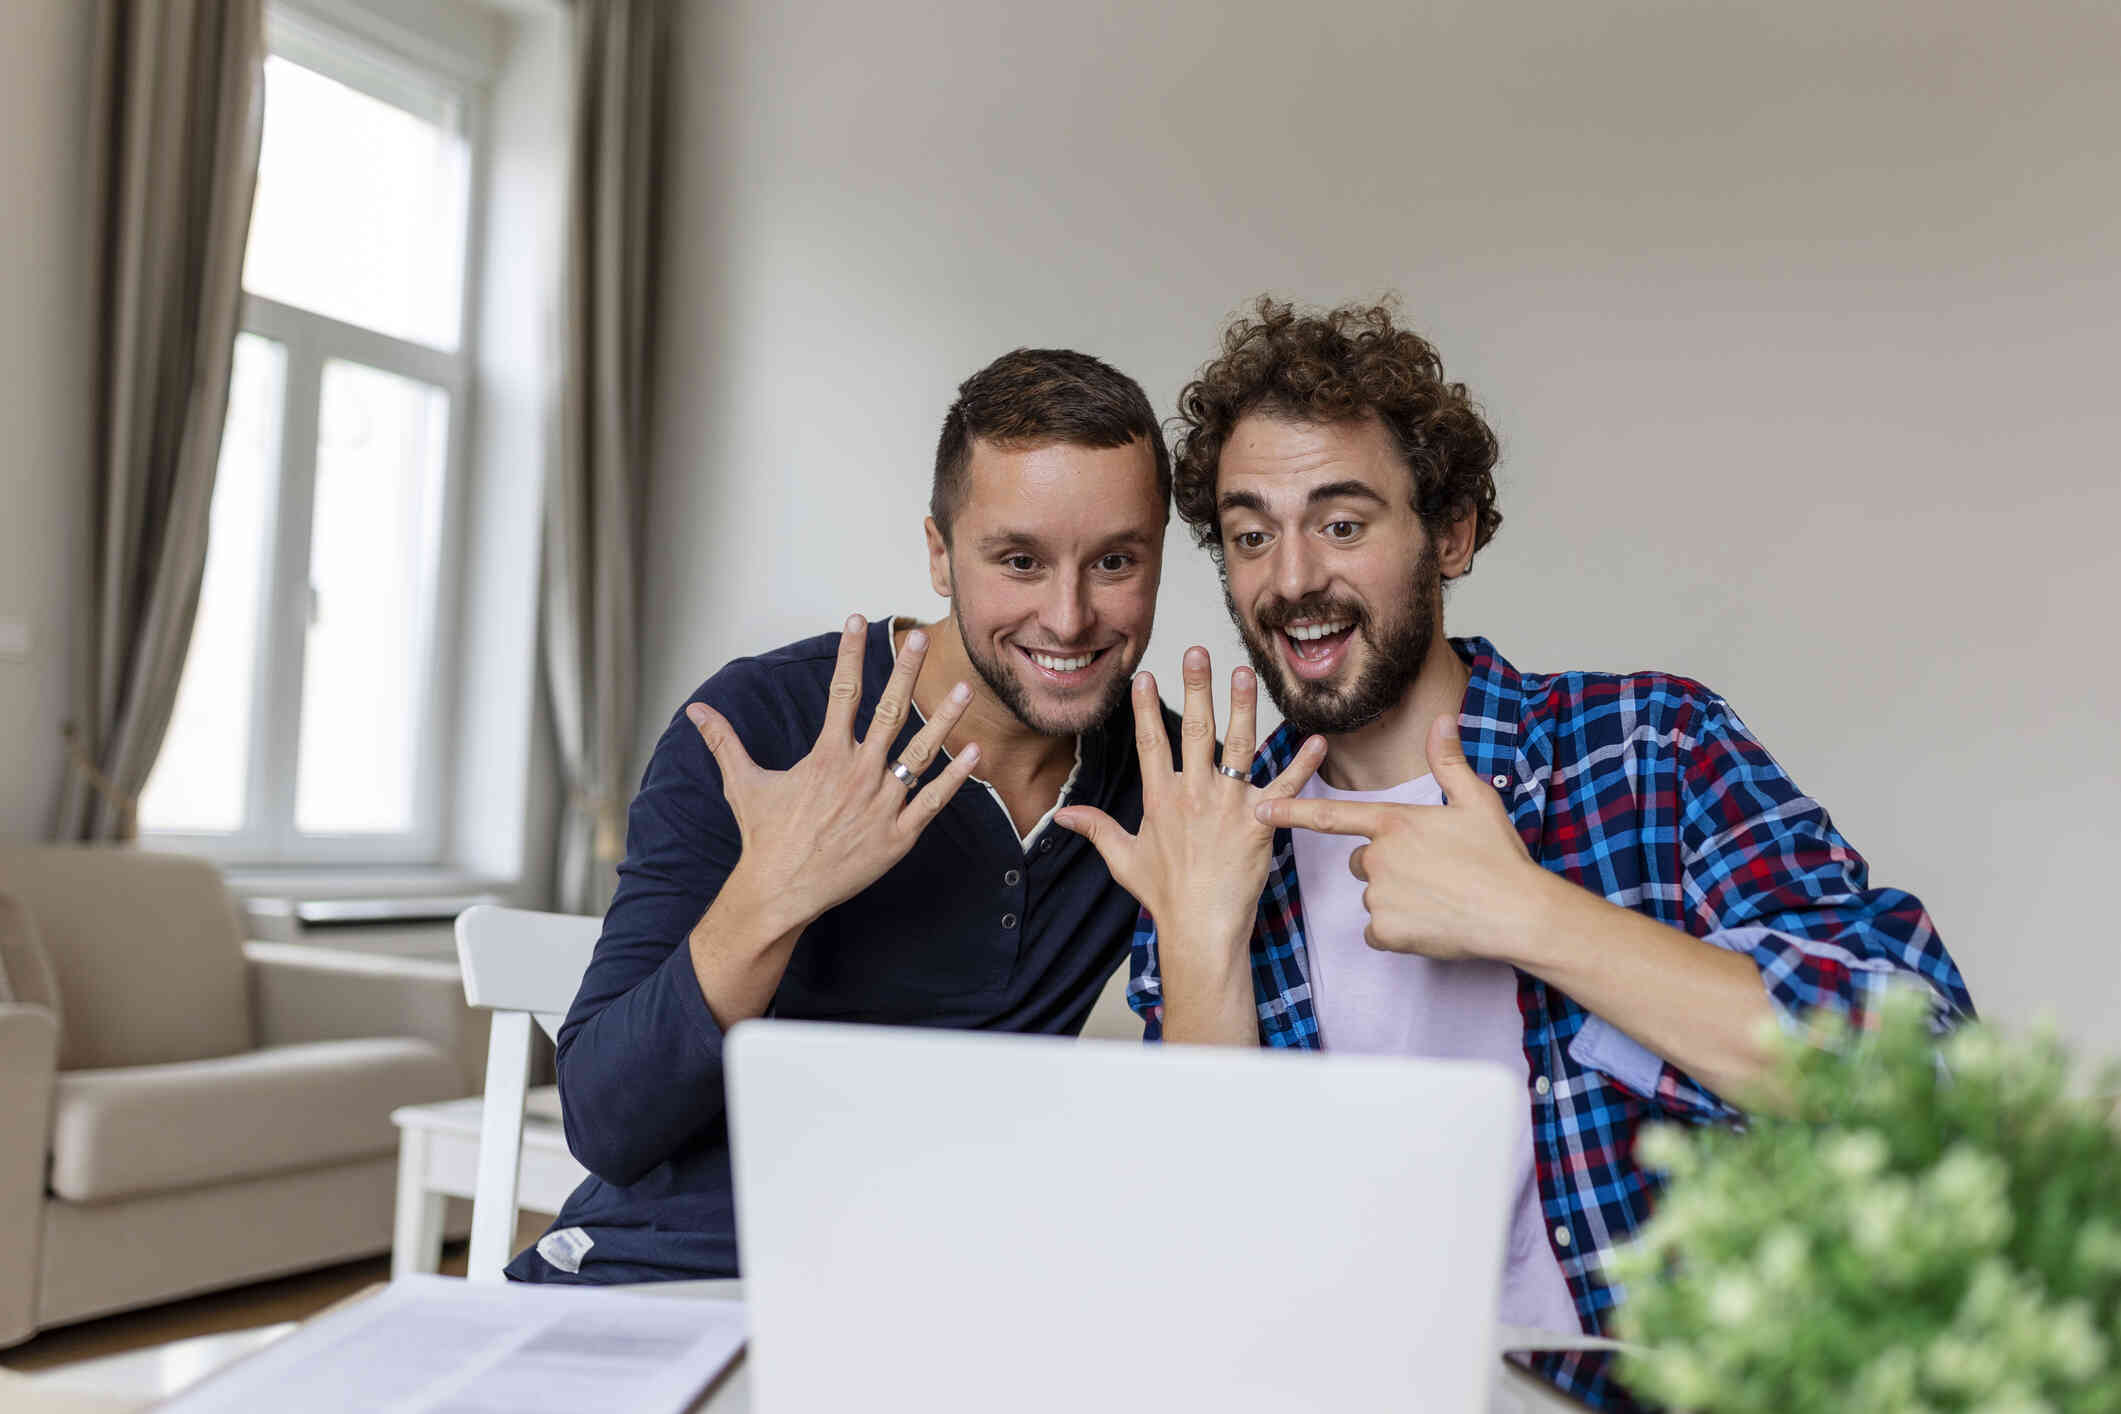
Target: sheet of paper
point(434, 1345)
point(1515, 1340)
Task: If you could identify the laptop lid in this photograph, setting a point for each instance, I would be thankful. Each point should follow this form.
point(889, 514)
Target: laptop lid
point(968, 1222)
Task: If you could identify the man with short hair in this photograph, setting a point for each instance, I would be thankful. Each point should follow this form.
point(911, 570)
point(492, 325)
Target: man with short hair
point(800, 844)
point(1602, 883)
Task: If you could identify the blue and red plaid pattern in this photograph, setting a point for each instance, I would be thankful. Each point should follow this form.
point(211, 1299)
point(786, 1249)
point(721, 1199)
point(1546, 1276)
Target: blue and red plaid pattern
point(1647, 790)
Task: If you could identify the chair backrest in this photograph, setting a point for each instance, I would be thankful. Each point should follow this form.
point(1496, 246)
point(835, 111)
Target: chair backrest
point(144, 951)
point(520, 965)
point(517, 960)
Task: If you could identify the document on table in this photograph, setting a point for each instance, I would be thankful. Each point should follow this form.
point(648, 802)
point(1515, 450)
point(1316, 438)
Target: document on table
point(1514, 1340)
point(433, 1345)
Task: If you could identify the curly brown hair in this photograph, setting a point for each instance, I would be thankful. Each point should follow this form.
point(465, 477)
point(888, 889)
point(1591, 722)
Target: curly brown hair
point(1349, 362)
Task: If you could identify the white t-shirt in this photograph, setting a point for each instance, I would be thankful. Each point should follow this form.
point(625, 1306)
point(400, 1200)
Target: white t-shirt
point(1373, 1002)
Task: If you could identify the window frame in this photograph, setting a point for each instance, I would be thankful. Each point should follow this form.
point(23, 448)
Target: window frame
point(269, 835)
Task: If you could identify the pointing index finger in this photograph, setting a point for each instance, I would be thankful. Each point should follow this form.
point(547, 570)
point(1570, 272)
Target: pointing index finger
point(1330, 817)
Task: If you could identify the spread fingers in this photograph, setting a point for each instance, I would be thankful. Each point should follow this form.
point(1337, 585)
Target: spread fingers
point(1244, 720)
point(845, 694)
point(929, 739)
point(892, 707)
point(1197, 728)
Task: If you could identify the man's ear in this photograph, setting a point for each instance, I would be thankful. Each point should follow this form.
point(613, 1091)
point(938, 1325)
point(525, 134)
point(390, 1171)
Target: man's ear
point(938, 558)
point(1454, 548)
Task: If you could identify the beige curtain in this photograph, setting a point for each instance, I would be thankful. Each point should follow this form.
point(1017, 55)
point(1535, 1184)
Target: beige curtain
point(177, 95)
point(594, 496)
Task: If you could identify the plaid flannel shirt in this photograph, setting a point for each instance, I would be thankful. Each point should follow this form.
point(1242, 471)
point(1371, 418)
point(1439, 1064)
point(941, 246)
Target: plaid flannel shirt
point(1648, 791)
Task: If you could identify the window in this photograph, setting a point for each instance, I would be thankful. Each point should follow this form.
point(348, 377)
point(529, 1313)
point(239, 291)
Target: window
point(308, 727)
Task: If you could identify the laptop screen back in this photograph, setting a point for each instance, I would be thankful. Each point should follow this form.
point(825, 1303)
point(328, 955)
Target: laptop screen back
point(959, 1222)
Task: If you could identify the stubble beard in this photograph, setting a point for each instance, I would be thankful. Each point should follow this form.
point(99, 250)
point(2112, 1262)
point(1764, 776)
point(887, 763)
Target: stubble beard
point(1010, 691)
point(1393, 663)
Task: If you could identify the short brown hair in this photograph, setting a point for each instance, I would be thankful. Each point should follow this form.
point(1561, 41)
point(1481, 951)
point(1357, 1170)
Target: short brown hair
point(1349, 362)
point(1035, 398)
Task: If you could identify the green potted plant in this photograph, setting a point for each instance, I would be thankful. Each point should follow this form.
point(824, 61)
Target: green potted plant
point(1924, 1226)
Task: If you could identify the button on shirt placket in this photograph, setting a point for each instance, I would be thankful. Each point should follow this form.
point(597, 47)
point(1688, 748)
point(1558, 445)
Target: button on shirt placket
point(1012, 898)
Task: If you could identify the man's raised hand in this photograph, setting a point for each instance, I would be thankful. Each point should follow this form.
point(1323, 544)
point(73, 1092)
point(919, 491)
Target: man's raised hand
point(1446, 881)
point(820, 832)
point(1200, 860)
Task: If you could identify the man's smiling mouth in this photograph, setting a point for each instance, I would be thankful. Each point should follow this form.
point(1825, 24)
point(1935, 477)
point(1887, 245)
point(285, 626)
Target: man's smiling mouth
point(1315, 648)
point(1314, 640)
point(1062, 665)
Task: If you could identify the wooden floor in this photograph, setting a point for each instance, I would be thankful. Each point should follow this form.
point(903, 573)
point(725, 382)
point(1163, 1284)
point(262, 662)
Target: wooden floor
point(239, 1308)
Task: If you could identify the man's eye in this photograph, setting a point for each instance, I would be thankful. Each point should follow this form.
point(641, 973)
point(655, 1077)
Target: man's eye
point(1022, 564)
point(1249, 539)
point(1343, 530)
point(1115, 564)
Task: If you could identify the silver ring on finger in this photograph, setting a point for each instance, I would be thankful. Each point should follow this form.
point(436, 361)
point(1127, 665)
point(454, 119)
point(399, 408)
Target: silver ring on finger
point(1235, 774)
point(905, 775)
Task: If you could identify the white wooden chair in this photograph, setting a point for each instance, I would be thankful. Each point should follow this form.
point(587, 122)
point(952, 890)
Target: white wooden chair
point(522, 966)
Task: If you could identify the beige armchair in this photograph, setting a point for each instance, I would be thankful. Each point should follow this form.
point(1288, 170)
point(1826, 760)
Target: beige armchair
point(180, 1110)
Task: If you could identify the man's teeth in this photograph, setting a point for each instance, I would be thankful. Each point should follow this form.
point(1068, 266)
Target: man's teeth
point(1306, 632)
point(1060, 665)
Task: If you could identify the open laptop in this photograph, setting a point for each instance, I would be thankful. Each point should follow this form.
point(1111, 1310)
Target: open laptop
point(958, 1222)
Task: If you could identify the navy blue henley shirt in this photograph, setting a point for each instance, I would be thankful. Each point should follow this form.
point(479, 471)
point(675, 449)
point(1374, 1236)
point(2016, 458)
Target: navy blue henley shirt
point(969, 930)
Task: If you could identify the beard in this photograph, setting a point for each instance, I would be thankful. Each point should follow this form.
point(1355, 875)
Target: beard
point(1006, 687)
point(1396, 651)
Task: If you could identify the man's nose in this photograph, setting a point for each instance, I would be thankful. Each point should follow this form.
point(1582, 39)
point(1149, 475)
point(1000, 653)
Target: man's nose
point(1068, 614)
point(1296, 569)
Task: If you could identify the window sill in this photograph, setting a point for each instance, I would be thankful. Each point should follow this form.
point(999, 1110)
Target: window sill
point(394, 910)
point(361, 882)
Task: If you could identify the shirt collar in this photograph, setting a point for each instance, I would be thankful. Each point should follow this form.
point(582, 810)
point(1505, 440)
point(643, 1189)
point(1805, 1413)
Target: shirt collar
point(1490, 722)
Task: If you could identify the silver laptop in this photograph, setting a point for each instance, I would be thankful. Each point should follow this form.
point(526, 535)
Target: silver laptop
point(958, 1222)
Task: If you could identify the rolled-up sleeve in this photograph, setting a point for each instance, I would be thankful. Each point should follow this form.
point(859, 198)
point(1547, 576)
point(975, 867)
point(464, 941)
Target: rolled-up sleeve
point(1765, 873)
point(640, 1054)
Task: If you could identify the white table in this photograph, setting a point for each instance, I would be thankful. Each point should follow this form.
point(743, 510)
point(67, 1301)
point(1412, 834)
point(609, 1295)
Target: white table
point(128, 1383)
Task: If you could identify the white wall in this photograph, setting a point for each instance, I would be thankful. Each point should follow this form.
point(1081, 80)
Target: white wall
point(1796, 321)
point(44, 388)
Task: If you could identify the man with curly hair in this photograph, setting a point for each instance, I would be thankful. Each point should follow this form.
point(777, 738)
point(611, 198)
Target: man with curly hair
point(1600, 882)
